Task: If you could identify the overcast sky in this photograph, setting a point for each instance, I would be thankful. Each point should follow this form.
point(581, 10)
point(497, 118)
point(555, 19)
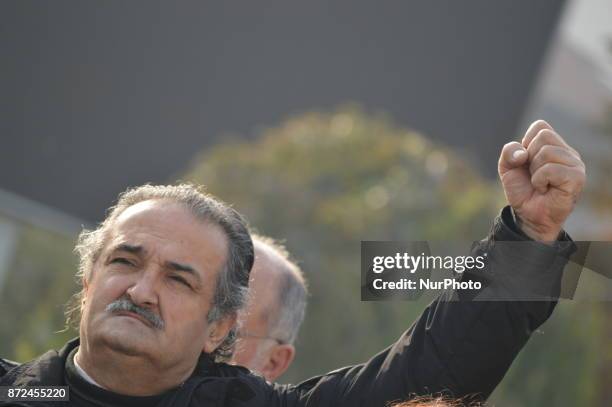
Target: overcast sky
point(588, 24)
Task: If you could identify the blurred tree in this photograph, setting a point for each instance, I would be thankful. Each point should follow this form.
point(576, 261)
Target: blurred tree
point(39, 282)
point(581, 352)
point(599, 189)
point(326, 181)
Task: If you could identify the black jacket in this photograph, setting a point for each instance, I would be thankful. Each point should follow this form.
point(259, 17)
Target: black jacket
point(456, 347)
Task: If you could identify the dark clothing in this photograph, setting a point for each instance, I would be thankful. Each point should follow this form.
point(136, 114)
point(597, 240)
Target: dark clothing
point(85, 394)
point(456, 347)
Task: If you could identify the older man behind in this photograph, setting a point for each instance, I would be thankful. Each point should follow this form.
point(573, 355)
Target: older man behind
point(275, 311)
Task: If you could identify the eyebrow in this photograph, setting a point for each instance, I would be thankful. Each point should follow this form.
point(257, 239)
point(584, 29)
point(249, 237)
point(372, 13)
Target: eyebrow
point(184, 268)
point(172, 265)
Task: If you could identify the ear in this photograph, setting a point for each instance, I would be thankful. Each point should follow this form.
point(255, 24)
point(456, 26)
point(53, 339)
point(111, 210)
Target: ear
point(216, 333)
point(279, 360)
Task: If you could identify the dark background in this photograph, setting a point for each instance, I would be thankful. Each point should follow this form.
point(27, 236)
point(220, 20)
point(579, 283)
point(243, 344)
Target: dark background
point(97, 96)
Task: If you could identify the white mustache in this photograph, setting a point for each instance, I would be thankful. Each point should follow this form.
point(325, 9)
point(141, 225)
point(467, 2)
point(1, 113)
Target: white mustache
point(124, 304)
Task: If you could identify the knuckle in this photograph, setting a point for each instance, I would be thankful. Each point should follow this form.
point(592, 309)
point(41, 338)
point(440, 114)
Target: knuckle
point(546, 167)
point(577, 155)
point(507, 146)
point(510, 146)
point(545, 135)
point(540, 123)
point(577, 175)
point(547, 152)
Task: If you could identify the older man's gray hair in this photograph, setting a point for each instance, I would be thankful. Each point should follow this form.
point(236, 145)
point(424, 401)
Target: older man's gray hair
point(285, 321)
point(232, 283)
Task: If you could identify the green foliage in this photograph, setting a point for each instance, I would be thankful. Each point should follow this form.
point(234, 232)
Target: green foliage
point(599, 189)
point(39, 282)
point(559, 365)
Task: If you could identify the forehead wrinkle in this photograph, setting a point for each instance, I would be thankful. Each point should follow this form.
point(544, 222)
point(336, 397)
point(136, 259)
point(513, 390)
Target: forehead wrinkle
point(144, 236)
point(126, 247)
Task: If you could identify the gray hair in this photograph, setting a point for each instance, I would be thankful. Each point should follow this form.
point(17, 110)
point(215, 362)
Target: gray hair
point(284, 323)
point(231, 292)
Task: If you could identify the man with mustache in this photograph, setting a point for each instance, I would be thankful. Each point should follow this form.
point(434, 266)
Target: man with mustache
point(185, 258)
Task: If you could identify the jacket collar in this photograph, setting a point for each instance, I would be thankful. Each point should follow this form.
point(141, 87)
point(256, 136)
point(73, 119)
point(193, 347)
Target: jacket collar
point(211, 380)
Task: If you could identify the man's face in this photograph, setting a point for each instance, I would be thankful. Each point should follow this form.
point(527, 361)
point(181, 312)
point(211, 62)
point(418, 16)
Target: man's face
point(165, 261)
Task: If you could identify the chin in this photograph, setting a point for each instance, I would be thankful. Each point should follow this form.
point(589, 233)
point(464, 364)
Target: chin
point(127, 339)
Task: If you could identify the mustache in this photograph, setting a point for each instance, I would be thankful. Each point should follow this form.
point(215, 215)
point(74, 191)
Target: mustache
point(125, 304)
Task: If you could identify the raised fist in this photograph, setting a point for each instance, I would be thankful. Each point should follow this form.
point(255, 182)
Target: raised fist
point(542, 178)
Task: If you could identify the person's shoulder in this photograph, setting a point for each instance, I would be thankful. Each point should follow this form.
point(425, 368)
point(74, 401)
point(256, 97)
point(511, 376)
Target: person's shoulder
point(245, 384)
point(6, 365)
point(240, 372)
point(45, 370)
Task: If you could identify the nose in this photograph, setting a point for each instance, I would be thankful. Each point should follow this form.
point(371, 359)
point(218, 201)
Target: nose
point(143, 291)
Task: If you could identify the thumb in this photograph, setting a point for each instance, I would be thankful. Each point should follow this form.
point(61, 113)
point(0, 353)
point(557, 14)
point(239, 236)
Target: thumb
point(513, 155)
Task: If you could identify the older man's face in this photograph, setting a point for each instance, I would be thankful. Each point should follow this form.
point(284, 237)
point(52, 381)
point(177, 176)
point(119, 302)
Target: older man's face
point(163, 260)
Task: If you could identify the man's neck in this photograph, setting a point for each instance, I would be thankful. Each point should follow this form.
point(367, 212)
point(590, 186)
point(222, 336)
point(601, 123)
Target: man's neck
point(84, 374)
point(127, 375)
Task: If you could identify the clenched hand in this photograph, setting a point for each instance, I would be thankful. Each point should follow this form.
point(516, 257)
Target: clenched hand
point(542, 178)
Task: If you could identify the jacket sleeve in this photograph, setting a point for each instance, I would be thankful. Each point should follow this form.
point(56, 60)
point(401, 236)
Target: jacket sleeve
point(462, 344)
